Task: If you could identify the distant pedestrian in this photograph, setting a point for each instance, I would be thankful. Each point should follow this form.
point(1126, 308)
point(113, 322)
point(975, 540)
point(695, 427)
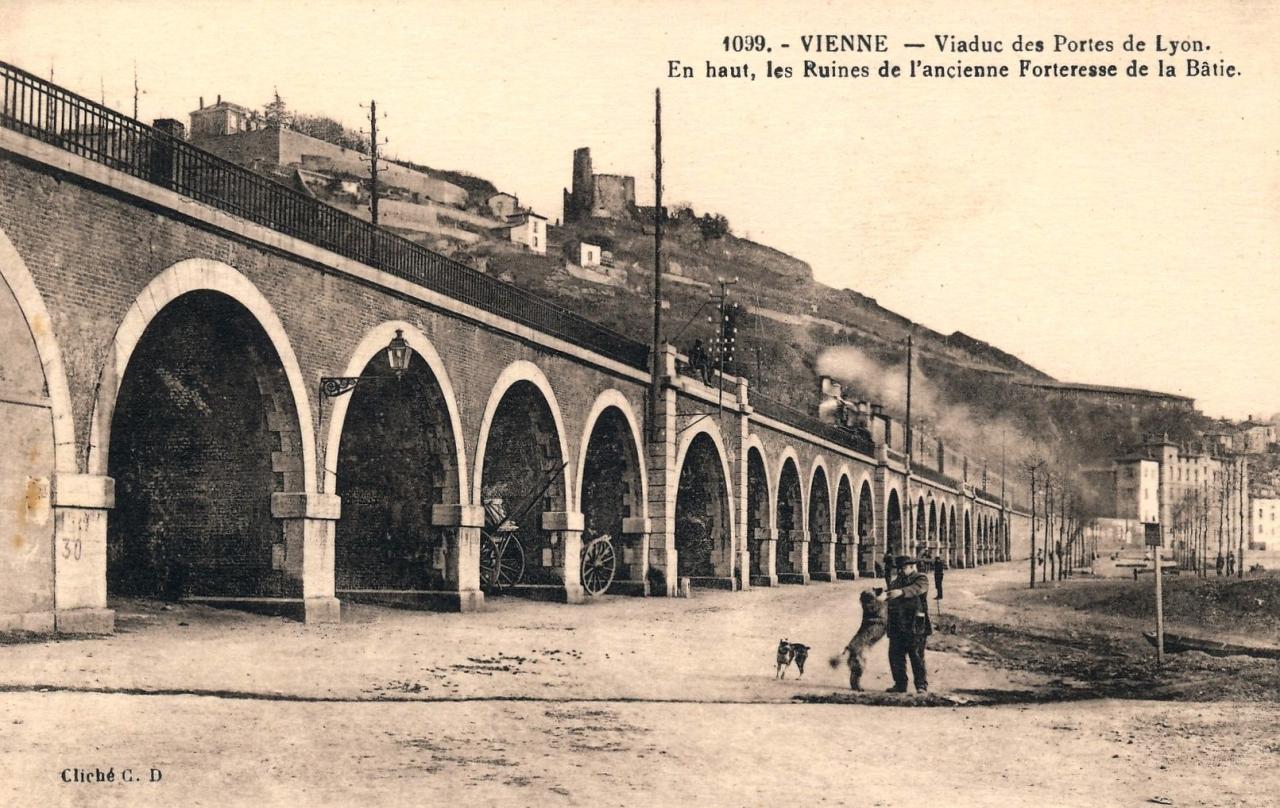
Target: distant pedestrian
point(1231, 563)
point(1217, 564)
point(888, 570)
point(879, 570)
point(700, 362)
point(909, 625)
point(938, 566)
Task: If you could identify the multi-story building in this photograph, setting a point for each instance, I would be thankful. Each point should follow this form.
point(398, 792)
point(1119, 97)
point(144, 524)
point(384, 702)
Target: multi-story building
point(1137, 487)
point(1264, 527)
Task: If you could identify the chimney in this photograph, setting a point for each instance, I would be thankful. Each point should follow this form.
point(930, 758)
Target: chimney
point(219, 98)
point(202, 102)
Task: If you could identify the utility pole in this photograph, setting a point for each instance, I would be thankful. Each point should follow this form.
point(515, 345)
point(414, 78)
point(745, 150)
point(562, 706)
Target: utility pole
point(911, 508)
point(1157, 552)
point(726, 340)
point(373, 162)
point(135, 91)
point(1244, 484)
point(655, 389)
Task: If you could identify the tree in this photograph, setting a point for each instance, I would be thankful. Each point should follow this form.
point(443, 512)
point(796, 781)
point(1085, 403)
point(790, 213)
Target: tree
point(327, 129)
point(713, 226)
point(1033, 465)
point(276, 112)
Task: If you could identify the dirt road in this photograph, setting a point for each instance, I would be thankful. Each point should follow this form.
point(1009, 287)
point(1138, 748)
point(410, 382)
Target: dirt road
point(624, 701)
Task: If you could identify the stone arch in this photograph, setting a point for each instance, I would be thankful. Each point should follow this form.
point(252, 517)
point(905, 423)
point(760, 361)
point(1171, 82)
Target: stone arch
point(612, 399)
point(394, 451)
point(819, 518)
point(202, 423)
point(819, 466)
point(515, 373)
point(184, 277)
point(39, 448)
point(933, 523)
point(966, 557)
point(895, 530)
point(14, 273)
point(868, 543)
point(522, 447)
point(611, 486)
point(789, 455)
point(790, 516)
point(919, 527)
point(373, 343)
point(760, 507)
point(704, 518)
point(952, 545)
point(846, 526)
point(942, 529)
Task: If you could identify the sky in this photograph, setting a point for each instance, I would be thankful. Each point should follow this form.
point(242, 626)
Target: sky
point(1121, 232)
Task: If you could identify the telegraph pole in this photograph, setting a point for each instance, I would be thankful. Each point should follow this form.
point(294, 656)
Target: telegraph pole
point(909, 541)
point(655, 390)
point(373, 162)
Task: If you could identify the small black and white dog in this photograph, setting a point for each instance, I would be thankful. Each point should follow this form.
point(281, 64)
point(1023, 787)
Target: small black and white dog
point(789, 652)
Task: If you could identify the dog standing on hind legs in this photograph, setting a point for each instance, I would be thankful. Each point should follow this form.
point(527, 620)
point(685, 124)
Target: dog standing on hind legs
point(875, 623)
point(789, 652)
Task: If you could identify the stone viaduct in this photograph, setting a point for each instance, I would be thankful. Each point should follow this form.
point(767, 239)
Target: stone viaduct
point(168, 319)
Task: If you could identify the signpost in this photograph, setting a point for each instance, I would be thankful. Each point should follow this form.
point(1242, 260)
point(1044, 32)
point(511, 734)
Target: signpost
point(1155, 540)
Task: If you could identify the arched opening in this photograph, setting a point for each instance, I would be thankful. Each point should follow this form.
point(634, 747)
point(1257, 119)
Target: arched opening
point(610, 491)
point(933, 526)
point(522, 477)
point(893, 525)
point(27, 461)
point(920, 525)
point(790, 518)
point(941, 545)
point(759, 511)
point(867, 549)
point(204, 430)
point(846, 530)
point(703, 531)
point(952, 546)
point(397, 457)
point(819, 522)
point(967, 559)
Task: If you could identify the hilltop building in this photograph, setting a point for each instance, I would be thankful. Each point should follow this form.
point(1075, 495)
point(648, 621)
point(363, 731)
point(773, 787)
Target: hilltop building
point(412, 202)
point(597, 196)
point(528, 229)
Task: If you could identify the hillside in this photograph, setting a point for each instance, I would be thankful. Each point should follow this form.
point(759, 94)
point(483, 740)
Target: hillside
point(793, 327)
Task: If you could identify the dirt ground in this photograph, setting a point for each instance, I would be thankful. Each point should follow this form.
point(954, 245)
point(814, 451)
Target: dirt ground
point(627, 700)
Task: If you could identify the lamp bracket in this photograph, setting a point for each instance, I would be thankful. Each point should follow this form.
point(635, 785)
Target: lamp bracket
point(334, 386)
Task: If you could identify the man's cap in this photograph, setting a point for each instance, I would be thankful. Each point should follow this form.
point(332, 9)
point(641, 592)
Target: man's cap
point(903, 560)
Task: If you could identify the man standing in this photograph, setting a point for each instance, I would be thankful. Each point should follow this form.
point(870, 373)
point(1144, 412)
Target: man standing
point(938, 566)
point(888, 571)
point(909, 625)
point(1218, 563)
point(1231, 563)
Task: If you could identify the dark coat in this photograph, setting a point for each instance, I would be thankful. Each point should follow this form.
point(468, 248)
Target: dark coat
point(914, 601)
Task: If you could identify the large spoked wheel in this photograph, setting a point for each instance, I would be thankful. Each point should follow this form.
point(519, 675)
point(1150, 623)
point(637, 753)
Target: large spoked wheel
point(501, 560)
point(599, 564)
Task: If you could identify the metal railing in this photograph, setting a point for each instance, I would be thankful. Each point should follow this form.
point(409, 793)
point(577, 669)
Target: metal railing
point(41, 110)
point(840, 436)
point(46, 112)
point(927, 473)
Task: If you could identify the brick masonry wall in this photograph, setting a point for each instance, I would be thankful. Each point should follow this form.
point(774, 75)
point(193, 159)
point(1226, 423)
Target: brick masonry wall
point(91, 253)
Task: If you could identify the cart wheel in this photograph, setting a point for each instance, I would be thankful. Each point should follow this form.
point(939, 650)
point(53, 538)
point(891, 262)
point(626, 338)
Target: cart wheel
point(599, 563)
point(501, 560)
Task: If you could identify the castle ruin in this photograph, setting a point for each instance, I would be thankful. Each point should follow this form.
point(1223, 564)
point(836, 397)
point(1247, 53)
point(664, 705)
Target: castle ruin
point(597, 196)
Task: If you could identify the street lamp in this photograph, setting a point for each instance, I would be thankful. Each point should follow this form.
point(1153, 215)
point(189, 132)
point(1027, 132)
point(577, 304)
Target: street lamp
point(398, 355)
